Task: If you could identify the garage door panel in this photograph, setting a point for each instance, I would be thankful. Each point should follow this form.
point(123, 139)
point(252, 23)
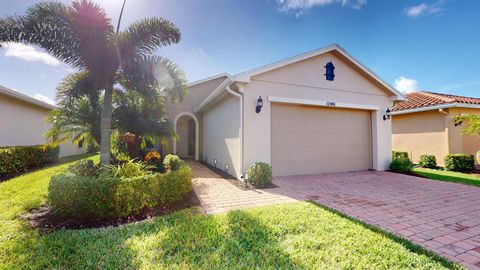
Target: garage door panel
point(308, 140)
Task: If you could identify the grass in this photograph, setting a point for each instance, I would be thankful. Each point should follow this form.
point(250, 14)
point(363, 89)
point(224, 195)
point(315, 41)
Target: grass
point(456, 177)
point(292, 236)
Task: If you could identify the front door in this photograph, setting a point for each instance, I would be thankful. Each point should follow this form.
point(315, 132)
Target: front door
point(191, 138)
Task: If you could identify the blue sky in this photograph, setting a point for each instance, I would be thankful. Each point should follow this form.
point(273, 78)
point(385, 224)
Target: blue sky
point(411, 44)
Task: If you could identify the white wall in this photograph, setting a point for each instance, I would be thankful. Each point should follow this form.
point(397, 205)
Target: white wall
point(221, 134)
point(23, 123)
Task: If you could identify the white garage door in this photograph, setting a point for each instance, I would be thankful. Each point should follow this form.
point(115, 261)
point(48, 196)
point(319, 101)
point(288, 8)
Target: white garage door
point(309, 140)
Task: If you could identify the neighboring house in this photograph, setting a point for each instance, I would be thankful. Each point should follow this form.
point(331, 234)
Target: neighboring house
point(423, 124)
point(22, 122)
point(307, 124)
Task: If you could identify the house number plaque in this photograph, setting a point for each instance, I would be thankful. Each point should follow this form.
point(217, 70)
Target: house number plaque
point(331, 103)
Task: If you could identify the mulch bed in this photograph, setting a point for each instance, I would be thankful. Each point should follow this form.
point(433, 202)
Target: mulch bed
point(45, 221)
point(239, 184)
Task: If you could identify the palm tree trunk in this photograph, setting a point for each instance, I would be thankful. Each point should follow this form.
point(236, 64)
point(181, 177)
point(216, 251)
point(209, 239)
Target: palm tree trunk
point(106, 125)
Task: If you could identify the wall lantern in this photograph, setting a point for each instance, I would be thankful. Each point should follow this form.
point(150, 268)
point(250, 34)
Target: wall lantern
point(387, 115)
point(329, 71)
point(259, 104)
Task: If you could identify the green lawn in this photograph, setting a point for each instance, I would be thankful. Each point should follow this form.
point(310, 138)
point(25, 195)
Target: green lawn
point(457, 177)
point(293, 236)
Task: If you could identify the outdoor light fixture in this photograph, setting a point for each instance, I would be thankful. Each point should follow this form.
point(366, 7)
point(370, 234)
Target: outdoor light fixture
point(329, 71)
point(215, 162)
point(226, 167)
point(259, 104)
point(387, 115)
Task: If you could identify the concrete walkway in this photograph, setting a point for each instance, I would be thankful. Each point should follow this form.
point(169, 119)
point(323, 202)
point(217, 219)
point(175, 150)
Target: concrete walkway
point(440, 216)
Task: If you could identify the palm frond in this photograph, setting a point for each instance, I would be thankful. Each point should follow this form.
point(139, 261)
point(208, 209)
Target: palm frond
point(145, 36)
point(74, 86)
point(46, 25)
point(152, 76)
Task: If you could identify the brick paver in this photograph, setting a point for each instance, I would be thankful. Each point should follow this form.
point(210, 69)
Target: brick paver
point(440, 216)
point(217, 195)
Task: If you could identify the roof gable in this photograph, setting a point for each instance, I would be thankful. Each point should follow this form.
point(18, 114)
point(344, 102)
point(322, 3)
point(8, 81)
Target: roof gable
point(247, 75)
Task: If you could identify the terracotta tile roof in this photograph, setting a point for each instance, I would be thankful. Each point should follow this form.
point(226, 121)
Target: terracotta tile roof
point(427, 99)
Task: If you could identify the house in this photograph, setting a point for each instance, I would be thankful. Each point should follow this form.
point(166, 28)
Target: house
point(317, 112)
point(23, 122)
point(423, 124)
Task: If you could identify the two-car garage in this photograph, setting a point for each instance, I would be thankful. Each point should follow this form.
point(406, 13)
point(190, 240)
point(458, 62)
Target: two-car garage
point(308, 139)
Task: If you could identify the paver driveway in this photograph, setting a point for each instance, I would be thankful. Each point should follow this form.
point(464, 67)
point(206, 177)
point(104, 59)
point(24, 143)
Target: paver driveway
point(441, 216)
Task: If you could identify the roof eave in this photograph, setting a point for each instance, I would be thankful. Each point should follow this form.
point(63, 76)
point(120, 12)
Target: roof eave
point(437, 107)
point(17, 95)
point(214, 95)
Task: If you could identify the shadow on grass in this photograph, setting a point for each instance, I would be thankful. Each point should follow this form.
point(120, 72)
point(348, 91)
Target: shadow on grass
point(236, 240)
point(400, 240)
point(183, 240)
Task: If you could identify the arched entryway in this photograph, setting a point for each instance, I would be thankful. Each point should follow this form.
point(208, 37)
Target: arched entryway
point(187, 128)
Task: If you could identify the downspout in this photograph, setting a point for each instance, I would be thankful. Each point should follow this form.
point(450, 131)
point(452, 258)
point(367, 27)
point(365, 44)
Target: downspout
point(240, 99)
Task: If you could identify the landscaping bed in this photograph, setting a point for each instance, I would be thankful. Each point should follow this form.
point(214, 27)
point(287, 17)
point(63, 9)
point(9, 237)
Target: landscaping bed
point(44, 219)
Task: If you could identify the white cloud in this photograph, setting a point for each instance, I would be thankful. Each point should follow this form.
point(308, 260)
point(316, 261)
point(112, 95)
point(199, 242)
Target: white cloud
point(406, 85)
point(44, 98)
point(297, 7)
point(424, 8)
point(29, 53)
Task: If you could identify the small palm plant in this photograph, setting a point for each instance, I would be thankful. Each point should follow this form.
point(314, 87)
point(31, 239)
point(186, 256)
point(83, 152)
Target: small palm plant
point(131, 168)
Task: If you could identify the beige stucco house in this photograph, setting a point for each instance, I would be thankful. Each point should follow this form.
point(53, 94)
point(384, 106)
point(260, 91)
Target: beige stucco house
point(423, 124)
point(306, 124)
point(22, 121)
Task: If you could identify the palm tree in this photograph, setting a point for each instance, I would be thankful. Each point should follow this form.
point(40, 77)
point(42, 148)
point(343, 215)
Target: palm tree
point(78, 116)
point(82, 36)
point(143, 118)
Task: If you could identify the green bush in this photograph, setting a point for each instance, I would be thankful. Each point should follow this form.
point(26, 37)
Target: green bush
point(401, 165)
point(428, 161)
point(131, 168)
point(93, 148)
point(259, 174)
point(84, 167)
point(75, 196)
point(15, 159)
point(399, 154)
point(459, 162)
point(172, 162)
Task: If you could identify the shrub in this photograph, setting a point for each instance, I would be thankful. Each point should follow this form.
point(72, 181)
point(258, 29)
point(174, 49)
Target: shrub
point(259, 174)
point(84, 167)
point(172, 162)
point(459, 163)
point(399, 154)
point(401, 165)
point(428, 161)
point(131, 168)
point(76, 196)
point(15, 159)
point(93, 148)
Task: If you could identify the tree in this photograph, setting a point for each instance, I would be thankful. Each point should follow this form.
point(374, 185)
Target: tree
point(77, 117)
point(472, 123)
point(82, 36)
point(143, 118)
